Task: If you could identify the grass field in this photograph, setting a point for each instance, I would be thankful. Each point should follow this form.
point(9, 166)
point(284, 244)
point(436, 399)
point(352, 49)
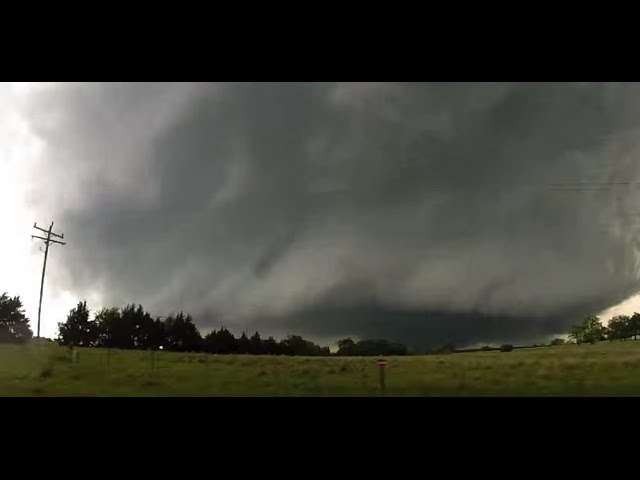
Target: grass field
point(606, 369)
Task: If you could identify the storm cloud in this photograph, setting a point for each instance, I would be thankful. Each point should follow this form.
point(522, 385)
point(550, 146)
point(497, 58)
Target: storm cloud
point(422, 212)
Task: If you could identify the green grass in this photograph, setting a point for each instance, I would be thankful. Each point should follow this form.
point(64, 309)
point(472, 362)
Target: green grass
point(606, 369)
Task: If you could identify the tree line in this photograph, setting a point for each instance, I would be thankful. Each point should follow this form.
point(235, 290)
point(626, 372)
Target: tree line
point(14, 325)
point(620, 327)
point(132, 327)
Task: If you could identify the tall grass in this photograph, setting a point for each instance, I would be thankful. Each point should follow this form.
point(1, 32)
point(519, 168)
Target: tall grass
point(607, 369)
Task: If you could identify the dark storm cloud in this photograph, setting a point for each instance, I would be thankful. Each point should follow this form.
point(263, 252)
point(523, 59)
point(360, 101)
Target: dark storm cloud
point(402, 210)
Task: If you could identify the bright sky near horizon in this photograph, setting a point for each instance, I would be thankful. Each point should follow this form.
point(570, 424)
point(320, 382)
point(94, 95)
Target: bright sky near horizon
point(20, 257)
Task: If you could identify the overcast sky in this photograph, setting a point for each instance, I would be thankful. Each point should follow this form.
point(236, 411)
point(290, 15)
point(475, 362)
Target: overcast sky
point(417, 212)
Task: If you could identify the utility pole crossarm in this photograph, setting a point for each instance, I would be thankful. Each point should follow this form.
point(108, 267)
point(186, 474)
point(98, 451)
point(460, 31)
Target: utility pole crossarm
point(35, 225)
point(48, 240)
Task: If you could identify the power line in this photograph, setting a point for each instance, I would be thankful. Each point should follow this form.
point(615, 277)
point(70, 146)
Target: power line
point(47, 241)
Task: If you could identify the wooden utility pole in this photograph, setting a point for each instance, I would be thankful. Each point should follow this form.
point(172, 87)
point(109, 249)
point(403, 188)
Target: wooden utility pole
point(47, 241)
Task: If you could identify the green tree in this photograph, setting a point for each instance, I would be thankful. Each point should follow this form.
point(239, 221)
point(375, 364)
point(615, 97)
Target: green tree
point(244, 344)
point(346, 347)
point(296, 345)
point(577, 334)
point(139, 323)
point(255, 344)
point(634, 325)
point(113, 332)
point(78, 330)
point(213, 342)
point(270, 346)
point(228, 341)
point(14, 325)
point(156, 337)
point(221, 341)
point(181, 334)
point(593, 330)
point(620, 328)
